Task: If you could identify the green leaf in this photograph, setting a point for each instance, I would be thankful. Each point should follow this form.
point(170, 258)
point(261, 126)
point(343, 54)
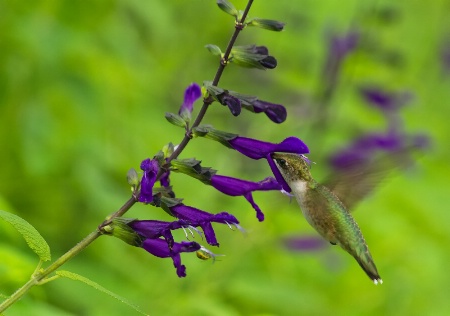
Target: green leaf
point(175, 119)
point(227, 7)
point(270, 25)
point(214, 49)
point(34, 240)
point(77, 277)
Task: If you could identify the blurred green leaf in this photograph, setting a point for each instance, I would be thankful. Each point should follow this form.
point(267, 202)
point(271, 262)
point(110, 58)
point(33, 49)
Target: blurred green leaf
point(34, 240)
point(77, 277)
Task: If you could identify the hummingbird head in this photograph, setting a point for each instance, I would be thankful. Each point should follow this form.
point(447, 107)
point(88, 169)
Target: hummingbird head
point(293, 167)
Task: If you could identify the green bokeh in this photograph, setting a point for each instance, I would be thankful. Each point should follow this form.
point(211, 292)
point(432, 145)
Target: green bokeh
point(83, 91)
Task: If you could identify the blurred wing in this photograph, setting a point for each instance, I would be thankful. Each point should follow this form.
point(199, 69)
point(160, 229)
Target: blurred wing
point(356, 180)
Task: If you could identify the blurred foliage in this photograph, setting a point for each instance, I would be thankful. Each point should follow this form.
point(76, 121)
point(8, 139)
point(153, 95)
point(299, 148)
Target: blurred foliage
point(83, 91)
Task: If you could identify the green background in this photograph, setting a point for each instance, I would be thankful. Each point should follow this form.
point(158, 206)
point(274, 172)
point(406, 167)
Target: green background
point(83, 91)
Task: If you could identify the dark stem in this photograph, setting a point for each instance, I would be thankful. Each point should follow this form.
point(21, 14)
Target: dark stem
point(128, 204)
point(206, 103)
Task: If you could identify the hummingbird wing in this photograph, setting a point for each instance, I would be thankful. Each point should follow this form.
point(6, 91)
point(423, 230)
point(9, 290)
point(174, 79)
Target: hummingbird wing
point(355, 180)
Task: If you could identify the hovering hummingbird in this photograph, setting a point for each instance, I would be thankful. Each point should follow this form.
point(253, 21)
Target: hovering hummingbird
point(324, 209)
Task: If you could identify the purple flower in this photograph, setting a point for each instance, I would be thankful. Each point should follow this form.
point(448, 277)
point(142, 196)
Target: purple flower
point(445, 56)
point(150, 168)
point(233, 103)
point(159, 248)
point(153, 229)
point(275, 112)
point(238, 187)
point(165, 179)
point(304, 243)
point(197, 217)
point(338, 49)
point(387, 102)
point(364, 148)
point(257, 149)
point(340, 46)
point(191, 94)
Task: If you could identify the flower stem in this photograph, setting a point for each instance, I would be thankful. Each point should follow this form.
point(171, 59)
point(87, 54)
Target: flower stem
point(207, 102)
point(39, 276)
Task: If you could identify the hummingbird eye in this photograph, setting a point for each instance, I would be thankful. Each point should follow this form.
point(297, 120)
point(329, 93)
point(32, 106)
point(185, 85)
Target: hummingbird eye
point(282, 162)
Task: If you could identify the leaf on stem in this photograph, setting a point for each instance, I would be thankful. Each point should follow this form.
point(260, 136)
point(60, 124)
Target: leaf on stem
point(34, 240)
point(175, 119)
point(77, 277)
point(214, 49)
point(266, 24)
point(227, 7)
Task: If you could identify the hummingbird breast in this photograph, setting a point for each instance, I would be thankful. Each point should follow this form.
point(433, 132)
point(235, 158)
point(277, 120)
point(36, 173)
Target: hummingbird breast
point(321, 209)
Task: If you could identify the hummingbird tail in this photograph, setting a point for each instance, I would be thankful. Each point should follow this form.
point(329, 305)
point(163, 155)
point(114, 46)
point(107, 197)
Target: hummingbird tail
point(367, 264)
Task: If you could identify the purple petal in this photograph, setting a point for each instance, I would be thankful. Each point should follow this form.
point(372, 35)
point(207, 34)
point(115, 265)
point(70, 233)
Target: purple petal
point(305, 243)
point(210, 235)
point(259, 213)
point(154, 229)
point(197, 217)
point(150, 168)
point(275, 112)
point(236, 187)
point(159, 248)
point(189, 213)
point(445, 57)
point(257, 149)
point(191, 94)
point(165, 179)
point(342, 45)
point(233, 103)
point(385, 101)
point(278, 175)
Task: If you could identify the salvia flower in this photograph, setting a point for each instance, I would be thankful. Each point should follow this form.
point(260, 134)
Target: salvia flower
point(253, 148)
point(341, 45)
point(191, 94)
point(154, 229)
point(160, 248)
point(233, 103)
point(385, 101)
point(150, 168)
point(238, 187)
point(253, 56)
point(304, 243)
point(445, 56)
point(196, 217)
point(257, 149)
point(364, 148)
point(275, 112)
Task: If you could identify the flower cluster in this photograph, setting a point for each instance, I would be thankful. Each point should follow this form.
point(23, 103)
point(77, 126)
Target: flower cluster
point(156, 236)
point(394, 140)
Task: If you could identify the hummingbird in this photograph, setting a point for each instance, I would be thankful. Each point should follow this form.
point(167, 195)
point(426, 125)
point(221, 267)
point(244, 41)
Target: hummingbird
point(324, 209)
